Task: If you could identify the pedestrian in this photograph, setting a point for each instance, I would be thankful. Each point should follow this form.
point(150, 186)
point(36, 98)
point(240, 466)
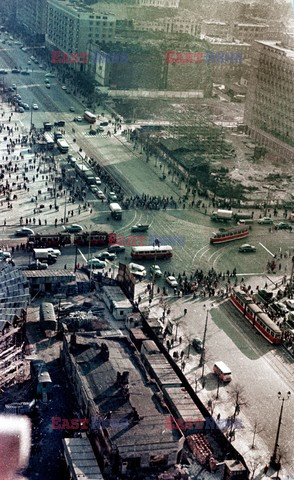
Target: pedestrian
point(180, 340)
point(65, 266)
point(185, 311)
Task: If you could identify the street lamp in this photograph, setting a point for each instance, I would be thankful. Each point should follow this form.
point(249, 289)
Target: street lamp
point(31, 117)
point(275, 461)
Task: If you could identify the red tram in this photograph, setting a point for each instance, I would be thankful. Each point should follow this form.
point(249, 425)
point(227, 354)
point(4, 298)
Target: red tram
point(229, 234)
point(93, 238)
point(46, 240)
point(259, 319)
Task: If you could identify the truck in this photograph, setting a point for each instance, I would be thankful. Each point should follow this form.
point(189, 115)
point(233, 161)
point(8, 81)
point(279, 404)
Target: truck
point(62, 145)
point(46, 253)
point(222, 215)
point(116, 211)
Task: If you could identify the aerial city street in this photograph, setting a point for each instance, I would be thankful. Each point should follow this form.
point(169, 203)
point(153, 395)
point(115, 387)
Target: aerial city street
point(146, 252)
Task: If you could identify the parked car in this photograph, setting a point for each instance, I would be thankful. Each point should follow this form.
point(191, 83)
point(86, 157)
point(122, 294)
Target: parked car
point(24, 232)
point(265, 221)
point(96, 263)
point(197, 345)
point(74, 228)
point(171, 281)
point(97, 180)
point(15, 70)
point(104, 124)
point(112, 197)
point(3, 71)
point(116, 248)
point(155, 270)
point(106, 256)
point(283, 226)
point(94, 188)
point(48, 85)
point(92, 132)
point(25, 72)
point(26, 106)
point(246, 248)
point(71, 109)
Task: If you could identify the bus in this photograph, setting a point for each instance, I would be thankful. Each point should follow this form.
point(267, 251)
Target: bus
point(49, 141)
point(62, 145)
point(48, 320)
point(90, 117)
point(116, 211)
point(150, 252)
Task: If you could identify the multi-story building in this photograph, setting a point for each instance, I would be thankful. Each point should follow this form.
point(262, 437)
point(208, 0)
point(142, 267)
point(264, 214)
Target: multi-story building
point(191, 26)
point(76, 27)
point(31, 15)
point(270, 100)
point(159, 3)
point(215, 29)
point(127, 422)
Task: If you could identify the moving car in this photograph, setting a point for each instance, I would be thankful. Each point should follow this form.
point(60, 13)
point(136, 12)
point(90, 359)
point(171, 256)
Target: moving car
point(63, 87)
point(78, 119)
point(35, 106)
point(71, 109)
point(74, 228)
point(3, 71)
point(155, 270)
point(48, 85)
point(290, 303)
point(197, 345)
point(283, 226)
point(171, 281)
point(265, 221)
point(25, 72)
point(116, 248)
point(112, 197)
point(4, 254)
point(24, 232)
point(100, 194)
point(246, 248)
point(94, 188)
point(137, 270)
point(106, 256)
point(103, 124)
point(92, 132)
point(97, 180)
point(38, 266)
point(15, 70)
point(49, 74)
point(96, 263)
point(282, 308)
point(140, 228)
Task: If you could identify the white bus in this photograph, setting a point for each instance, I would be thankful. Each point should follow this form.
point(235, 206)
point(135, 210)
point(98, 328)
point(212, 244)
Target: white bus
point(150, 252)
point(62, 145)
point(116, 211)
point(49, 141)
point(90, 117)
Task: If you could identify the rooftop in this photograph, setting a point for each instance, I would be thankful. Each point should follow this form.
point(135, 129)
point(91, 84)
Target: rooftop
point(119, 385)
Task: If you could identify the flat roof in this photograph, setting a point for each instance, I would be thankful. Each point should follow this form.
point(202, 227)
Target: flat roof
point(117, 297)
point(80, 456)
point(49, 273)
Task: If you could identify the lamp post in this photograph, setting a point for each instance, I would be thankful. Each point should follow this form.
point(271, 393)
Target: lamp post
point(202, 357)
point(275, 459)
point(31, 117)
point(292, 274)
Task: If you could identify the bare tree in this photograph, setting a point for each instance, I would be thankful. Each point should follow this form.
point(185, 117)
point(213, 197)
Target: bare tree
point(253, 465)
point(257, 428)
point(240, 400)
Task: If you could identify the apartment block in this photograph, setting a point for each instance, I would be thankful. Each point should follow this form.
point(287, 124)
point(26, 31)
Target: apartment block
point(76, 27)
point(31, 15)
point(159, 3)
point(269, 105)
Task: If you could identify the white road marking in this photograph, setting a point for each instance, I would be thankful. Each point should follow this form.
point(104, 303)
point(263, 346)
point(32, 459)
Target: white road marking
point(83, 256)
point(266, 249)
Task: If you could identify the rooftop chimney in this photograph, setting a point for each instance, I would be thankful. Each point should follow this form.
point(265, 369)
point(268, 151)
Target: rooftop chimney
point(104, 352)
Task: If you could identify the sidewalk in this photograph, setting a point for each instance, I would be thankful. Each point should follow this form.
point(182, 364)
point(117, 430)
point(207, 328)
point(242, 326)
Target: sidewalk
point(257, 457)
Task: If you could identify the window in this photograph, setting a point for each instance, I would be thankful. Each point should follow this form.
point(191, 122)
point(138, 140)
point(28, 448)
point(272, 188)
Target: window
point(121, 312)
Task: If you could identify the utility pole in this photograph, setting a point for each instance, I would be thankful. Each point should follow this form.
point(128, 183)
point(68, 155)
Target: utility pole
point(202, 357)
point(275, 461)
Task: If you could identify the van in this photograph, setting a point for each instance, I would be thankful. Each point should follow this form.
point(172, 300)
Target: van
point(137, 269)
point(222, 371)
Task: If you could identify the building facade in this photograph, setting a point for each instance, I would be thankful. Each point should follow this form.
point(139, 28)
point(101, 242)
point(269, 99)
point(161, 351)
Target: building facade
point(269, 105)
point(31, 15)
